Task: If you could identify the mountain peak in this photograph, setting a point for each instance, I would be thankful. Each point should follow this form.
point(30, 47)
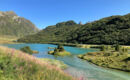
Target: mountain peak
point(9, 13)
point(13, 25)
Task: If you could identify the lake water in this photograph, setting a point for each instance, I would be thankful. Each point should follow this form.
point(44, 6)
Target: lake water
point(77, 67)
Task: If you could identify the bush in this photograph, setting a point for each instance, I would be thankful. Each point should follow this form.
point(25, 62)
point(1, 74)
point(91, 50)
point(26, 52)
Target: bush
point(27, 49)
point(117, 47)
point(125, 50)
point(59, 51)
point(60, 47)
point(103, 48)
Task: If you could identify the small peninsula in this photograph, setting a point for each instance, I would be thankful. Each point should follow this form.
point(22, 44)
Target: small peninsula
point(114, 57)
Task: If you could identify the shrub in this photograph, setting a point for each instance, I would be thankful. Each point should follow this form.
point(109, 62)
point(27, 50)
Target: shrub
point(27, 49)
point(59, 51)
point(103, 48)
point(117, 47)
point(124, 49)
point(60, 47)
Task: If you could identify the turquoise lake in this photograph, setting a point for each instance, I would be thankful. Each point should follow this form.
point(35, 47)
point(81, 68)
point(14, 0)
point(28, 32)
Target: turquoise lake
point(77, 67)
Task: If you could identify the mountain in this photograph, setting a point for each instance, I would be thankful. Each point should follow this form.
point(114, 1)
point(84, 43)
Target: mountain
point(13, 25)
point(55, 33)
point(109, 30)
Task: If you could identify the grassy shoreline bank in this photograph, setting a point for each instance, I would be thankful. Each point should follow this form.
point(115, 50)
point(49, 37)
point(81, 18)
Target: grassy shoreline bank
point(91, 59)
point(96, 46)
point(110, 57)
point(88, 46)
point(8, 39)
point(117, 60)
point(17, 65)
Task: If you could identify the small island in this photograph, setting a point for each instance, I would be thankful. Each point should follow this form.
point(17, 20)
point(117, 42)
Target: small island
point(28, 50)
point(114, 57)
point(59, 51)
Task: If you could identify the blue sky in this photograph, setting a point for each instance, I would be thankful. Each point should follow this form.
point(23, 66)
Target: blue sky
point(48, 12)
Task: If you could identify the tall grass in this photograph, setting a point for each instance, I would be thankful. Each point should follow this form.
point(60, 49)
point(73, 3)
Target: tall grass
point(109, 59)
point(16, 65)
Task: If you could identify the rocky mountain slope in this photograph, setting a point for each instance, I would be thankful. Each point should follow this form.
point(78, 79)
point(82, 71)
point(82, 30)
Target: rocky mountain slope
point(13, 25)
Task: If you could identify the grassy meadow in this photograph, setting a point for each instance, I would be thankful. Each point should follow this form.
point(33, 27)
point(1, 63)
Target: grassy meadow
point(17, 65)
point(56, 63)
point(7, 39)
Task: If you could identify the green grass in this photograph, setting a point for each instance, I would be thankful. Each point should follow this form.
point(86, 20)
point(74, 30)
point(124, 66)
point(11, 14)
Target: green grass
point(59, 51)
point(28, 50)
point(62, 53)
point(76, 45)
point(114, 62)
point(7, 39)
point(16, 65)
point(56, 63)
point(109, 58)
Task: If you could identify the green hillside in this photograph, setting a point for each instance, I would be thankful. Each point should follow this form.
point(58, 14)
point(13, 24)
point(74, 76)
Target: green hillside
point(13, 25)
point(55, 33)
point(110, 30)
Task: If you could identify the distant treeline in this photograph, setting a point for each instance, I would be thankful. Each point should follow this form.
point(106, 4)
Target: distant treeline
point(110, 30)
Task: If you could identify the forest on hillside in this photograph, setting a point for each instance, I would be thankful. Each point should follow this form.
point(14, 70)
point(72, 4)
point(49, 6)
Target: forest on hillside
point(109, 30)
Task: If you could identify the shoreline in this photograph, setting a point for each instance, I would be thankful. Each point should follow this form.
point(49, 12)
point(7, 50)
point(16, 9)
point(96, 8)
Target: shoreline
point(83, 46)
point(107, 62)
point(109, 67)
